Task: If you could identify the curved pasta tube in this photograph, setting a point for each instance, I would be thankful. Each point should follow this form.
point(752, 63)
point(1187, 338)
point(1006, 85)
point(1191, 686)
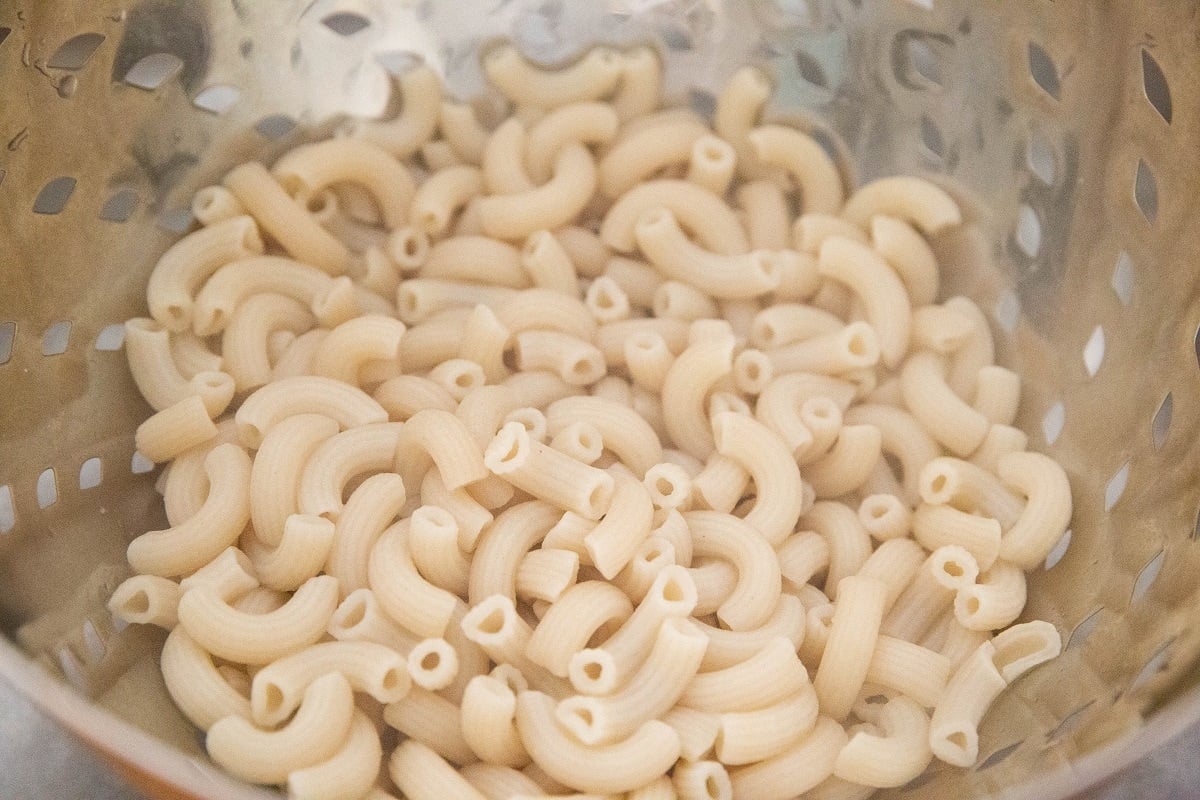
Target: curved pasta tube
point(767, 677)
point(549, 266)
point(935, 526)
point(504, 635)
point(912, 199)
point(259, 638)
point(175, 430)
point(756, 594)
point(421, 90)
point(702, 213)
point(636, 157)
point(278, 688)
point(359, 618)
point(402, 593)
point(556, 202)
point(1023, 647)
point(853, 631)
point(749, 736)
point(339, 459)
point(848, 464)
point(463, 131)
point(726, 648)
point(573, 620)
point(489, 710)
point(625, 525)
point(600, 670)
point(422, 774)
point(994, 601)
point(503, 160)
point(902, 437)
point(277, 468)
point(801, 767)
point(848, 542)
point(433, 532)
point(545, 574)
point(308, 169)
point(373, 506)
point(806, 161)
point(442, 195)
point(910, 669)
point(575, 361)
point(739, 105)
point(649, 693)
point(476, 258)
point(214, 204)
point(967, 487)
point(618, 767)
point(909, 254)
point(802, 556)
point(196, 685)
point(186, 547)
point(405, 395)
point(766, 214)
point(885, 300)
point(548, 474)
point(725, 277)
point(545, 309)
point(147, 600)
point(931, 592)
point(893, 757)
point(640, 88)
point(300, 554)
point(954, 727)
point(711, 164)
point(779, 495)
point(158, 378)
point(592, 77)
point(347, 405)
point(349, 773)
point(342, 354)
point(230, 285)
point(854, 347)
point(437, 438)
point(946, 416)
point(180, 272)
point(685, 389)
point(313, 736)
point(503, 544)
point(286, 220)
point(1047, 510)
point(244, 346)
point(576, 123)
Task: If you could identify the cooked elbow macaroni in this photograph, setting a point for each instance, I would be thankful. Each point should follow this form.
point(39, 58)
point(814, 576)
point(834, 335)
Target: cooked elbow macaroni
point(572, 447)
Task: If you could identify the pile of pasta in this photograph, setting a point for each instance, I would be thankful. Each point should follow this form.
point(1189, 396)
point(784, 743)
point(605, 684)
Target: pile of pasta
point(608, 451)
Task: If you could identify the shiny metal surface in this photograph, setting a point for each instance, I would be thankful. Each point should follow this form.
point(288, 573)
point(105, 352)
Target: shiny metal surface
point(1070, 131)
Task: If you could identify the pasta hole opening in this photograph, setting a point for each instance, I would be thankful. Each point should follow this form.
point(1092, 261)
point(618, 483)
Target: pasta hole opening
point(664, 487)
point(353, 615)
point(391, 678)
point(273, 698)
point(431, 661)
point(672, 592)
point(939, 483)
point(138, 603)
point(958, 739)
point(493, 622)
point(464, 380)
point(593, 671)
point(1015, 651)
point(177, 314)
point(857, 345)
point(320, 203)
point(973, 605)
point(600, 496)
point(712, 787)
point(955, 570)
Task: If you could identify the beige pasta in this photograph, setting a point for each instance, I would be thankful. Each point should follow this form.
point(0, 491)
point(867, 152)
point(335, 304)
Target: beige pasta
point(638, 156)
point(697, 210)
point(432, 720)
point(277, 688)
point(276, 472)
point(592, 77)
point(572, 620)
point(895, 755)
point(1047, 510)
point(765, 678)
point(588, 123)
point(554, 203)
point(954, 727)
point(308, 169)
point(548, 265)
point(961, 484)
point(848, 542)
point(489, 710)
point(915, 200)
point(640, 88)
point(852, 635)
point(146, 600)
point(664, 243)
point(196, 685)
point(175, 429)
point(547, 474)
point(647, 753)
point(433, 537)
point(363, 449)
point(403, 594)
point(286, 220)
point(463, 131)
point(349, 773)
point(738, 107)
point(245, 345)
point(348, 406)
point(301, 553)
point(758, 584)
point(215, 204)
point(749, 736)
point(180, 271)
point(312, 736)
point(797, 769)
point(184, 548)
point(158, 378)
point(421, 774)
point(807, 163)
point(421, 91)
point(433, 664)
point(909, 254)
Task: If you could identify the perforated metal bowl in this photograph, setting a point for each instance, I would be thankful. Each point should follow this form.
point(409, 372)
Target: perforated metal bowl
point(1071, 128)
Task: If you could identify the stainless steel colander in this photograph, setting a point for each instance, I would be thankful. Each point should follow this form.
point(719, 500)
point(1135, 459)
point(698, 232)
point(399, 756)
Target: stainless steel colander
point(1071, 130)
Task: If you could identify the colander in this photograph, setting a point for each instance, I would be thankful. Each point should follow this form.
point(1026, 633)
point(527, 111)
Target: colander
point(1070, 131)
